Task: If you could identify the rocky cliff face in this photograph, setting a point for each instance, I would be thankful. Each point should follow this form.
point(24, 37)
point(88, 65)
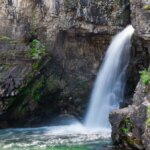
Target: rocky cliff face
point(50, 52)
point(130, 125)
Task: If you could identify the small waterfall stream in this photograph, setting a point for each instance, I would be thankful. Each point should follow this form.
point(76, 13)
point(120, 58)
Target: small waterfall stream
point(108, 90)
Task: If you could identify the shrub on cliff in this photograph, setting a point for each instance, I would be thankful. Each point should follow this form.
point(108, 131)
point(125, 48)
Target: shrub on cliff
point(145, 76)
point(37, 49)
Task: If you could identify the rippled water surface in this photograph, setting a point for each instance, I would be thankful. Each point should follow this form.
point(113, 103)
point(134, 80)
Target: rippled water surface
point(65, 137)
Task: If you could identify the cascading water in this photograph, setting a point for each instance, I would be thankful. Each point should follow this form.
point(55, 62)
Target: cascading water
point(108, 90)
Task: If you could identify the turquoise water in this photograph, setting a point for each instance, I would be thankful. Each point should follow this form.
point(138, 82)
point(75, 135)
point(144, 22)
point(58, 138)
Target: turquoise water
point(66, 137)
point(97, 146)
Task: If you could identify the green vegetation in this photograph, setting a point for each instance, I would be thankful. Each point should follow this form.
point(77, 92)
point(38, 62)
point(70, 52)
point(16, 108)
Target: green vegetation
point(126, 133)
point(145, 76)
point(36, 65)
point(127, 125)
point(148, 109)
point(37, 50)
point(147, 122)
point(36, 91)
point(30, 92)
point(147, 7)
point(125, 130)
point(135, 142)
point(33, 91)
point(7, 39)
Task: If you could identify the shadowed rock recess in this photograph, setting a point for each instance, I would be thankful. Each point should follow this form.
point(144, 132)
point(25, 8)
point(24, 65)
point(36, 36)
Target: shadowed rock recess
point(50, 52)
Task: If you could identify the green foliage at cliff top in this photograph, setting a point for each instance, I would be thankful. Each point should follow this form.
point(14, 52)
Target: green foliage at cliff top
point(145, 76)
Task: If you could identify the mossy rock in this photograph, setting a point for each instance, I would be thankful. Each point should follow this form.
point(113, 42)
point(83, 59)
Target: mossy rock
point(145, 76)
point(126, 126)
point(146, 7)
point(134, 142)
point(147, 121)
point(37, 50)
point(7, 39)
point(70, 4)
point(36, 91)
point(127, 136)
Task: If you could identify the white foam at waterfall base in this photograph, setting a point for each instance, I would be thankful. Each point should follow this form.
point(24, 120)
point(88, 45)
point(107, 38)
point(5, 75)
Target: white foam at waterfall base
point(73, 134)
point(71, 129)
point(108, 89)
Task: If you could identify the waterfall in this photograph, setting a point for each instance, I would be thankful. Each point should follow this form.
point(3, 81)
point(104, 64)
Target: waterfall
point(108, 90)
